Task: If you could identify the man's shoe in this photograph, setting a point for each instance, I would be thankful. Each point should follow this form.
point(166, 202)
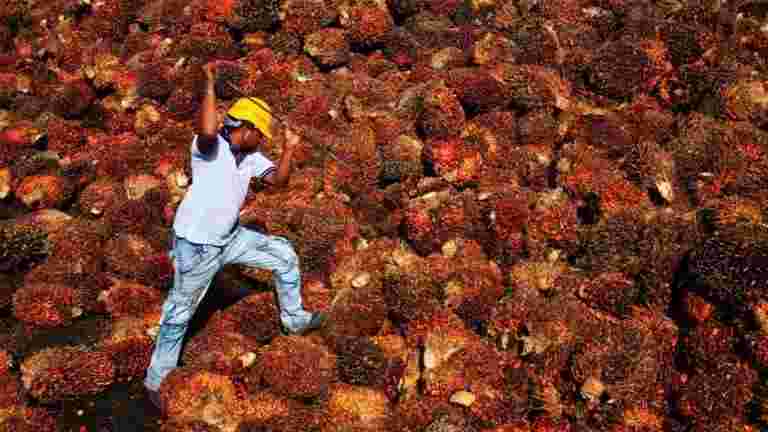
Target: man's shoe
point(154, 397)
point(318, 320)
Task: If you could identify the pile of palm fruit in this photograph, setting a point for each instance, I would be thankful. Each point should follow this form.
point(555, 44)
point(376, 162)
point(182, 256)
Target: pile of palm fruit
point(521, 215)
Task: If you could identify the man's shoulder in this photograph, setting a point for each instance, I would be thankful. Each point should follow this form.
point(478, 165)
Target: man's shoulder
point(221, 143)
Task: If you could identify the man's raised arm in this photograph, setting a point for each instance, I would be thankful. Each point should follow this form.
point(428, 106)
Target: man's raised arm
point(207, 128)
point(281, 176)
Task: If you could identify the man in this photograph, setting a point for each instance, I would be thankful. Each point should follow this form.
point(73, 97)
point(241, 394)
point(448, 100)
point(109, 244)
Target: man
point(207, 234)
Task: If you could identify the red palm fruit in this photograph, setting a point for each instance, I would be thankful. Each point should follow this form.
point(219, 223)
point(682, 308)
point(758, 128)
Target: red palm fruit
point(552, 223)
point(124, 299)
point(534, 87)
point(135, 258)
point(173, 17)
point(441, 334)
point(358, 407)
point(65, 372)
point(11, 84)
point(29, 419)
point(401, 158)
point(611, 292)
point(650, 121)
point(458, 219)
point(696, 308)
point(100, 196)
point(10, 393)
point(615, 67)
point(360, 361)
point(712, 398)
point(473, 292)
point(184, 426)
point(130, 346)
point(223, 352)
point(454, 159)
point(17, 140)
point(416, 413)
point(43, 191)
point(5, 363)
point(46, 305)
point(510, 213)
point(71, 100)
point(109, 17)
point(328, 46)
point(476, 88)
point(22, 244)
point(59, 270)
point(584, 172)
point(745, 100)
point(366, 23)
point(190, 394)
point(264, 409)
point(544, 43)
point(49, 220)
point(688, 42)
point(115, 155)
point(208, 40)
point(355, 169)
point(379, 66)
point(155, 80)
point(6, 180)
point(254, 15)
point(303, 17)
point(265, 414)
point(421, 225)
point(79, 242)
point(493, 387)
point(64, 136)
point(183, 102)
point(359, 308)
point(411, 295)
point(759, 350)
point(710, 343)
point(634, 359)
point(492, 48)
point(442, 115)
point(255, 316)
point(296, 367)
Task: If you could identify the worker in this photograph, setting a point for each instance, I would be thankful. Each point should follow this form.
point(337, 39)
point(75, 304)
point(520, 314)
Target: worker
point(206, 231)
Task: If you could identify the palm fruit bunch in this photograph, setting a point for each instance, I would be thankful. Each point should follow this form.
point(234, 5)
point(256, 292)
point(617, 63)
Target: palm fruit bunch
point(130, 344)
point(222, 352)
point(66, 372)
point(511, 210)
point(23, 244)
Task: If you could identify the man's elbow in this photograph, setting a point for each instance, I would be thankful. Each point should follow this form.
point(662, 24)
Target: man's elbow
point(281, 181)
point(275, 180)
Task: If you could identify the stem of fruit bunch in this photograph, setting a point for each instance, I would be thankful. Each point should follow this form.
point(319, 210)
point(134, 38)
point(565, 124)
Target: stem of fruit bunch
point(279, 118)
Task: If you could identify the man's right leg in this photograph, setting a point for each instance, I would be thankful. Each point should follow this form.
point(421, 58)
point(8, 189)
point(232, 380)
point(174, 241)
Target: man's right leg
point(196, 265)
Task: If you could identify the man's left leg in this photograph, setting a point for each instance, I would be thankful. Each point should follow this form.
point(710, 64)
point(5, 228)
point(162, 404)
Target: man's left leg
point(254, 249)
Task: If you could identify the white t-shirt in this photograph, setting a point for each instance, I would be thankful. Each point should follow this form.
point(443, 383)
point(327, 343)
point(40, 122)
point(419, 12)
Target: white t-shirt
point(211, 206)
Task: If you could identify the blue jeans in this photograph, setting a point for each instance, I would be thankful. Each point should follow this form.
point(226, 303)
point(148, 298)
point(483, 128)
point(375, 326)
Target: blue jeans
point(195, 267)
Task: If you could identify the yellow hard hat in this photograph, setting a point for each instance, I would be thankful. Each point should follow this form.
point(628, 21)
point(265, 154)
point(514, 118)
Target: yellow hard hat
point(253, 110)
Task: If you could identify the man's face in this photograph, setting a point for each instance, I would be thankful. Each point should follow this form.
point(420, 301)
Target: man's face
point(247, 139)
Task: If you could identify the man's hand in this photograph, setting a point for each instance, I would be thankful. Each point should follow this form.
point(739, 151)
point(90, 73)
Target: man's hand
point(211, 71)
point(208, 122)
point(292, 140)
